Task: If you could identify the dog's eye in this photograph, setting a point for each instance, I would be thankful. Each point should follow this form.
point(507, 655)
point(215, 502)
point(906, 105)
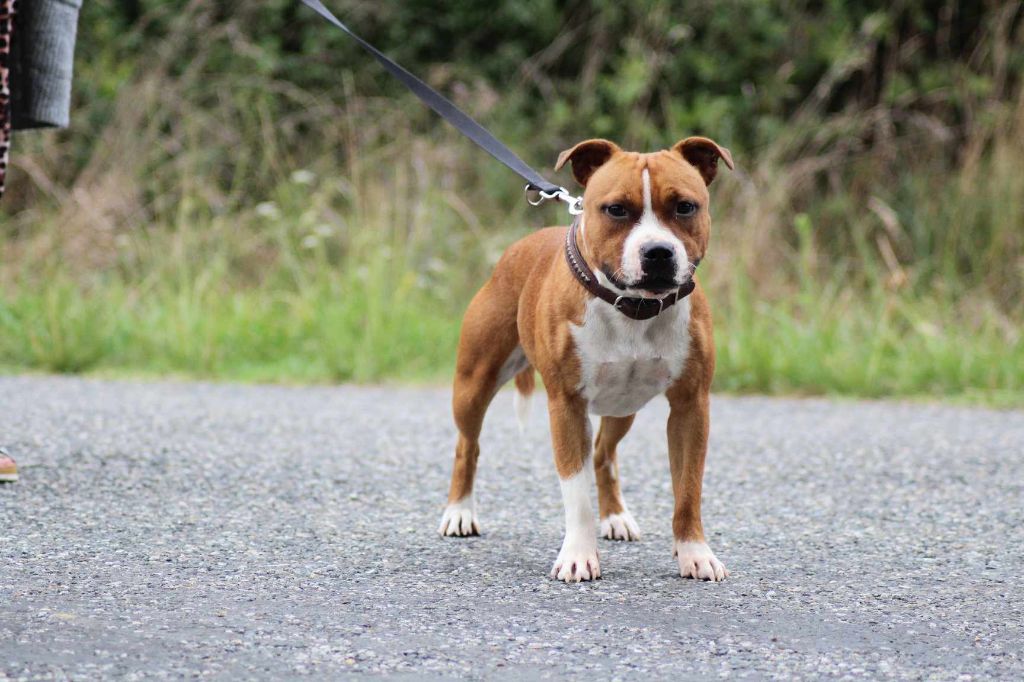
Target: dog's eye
point(617, 211)
point(685, 209)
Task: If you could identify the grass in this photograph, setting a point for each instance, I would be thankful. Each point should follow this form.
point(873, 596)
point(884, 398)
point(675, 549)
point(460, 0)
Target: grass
point(250, 336)
point(327, 279)
point(875, 345)
point(384, 325)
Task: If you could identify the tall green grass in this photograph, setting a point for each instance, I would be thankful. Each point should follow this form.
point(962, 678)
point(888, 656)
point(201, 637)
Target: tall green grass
point(180, 303)
point(332, 328)
point(870, 345)
point(196, 331)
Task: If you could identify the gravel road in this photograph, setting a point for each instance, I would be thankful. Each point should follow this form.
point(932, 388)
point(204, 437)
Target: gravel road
point(181, 529)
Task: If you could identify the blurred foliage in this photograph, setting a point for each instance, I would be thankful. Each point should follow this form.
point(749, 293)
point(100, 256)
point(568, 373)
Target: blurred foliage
point(740, 69)
point(852, 102)
point(240, 165)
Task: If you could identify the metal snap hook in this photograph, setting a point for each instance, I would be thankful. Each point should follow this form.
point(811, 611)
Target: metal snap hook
point(536, 197)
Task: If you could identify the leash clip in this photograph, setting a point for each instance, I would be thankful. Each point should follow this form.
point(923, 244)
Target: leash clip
point(562, 194)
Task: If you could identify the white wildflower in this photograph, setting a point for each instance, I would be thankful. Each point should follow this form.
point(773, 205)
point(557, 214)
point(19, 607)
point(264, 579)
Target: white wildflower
point(303, 177)
point(268, 209)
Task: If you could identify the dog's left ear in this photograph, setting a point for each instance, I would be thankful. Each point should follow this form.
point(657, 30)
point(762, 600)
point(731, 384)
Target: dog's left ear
point(703, 154)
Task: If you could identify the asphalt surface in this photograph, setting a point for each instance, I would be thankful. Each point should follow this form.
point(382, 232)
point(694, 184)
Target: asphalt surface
point(170, 530)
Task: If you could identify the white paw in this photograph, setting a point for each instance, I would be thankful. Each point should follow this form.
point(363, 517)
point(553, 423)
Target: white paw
point(620, 526)
point(459, 519)
point(575, 564)
point(696, 560)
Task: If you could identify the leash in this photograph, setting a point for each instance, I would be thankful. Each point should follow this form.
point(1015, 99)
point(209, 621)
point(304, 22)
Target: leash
point(637, 308)
point(483, 138)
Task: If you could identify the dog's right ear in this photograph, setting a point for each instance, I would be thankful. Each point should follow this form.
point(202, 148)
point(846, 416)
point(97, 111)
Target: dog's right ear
point(587, 157)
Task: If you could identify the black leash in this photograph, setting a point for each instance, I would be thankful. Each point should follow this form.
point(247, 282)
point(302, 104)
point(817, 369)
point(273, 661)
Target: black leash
point(461, 120)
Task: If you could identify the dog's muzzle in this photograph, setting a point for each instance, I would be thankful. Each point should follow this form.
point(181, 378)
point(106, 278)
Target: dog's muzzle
point(658, 263)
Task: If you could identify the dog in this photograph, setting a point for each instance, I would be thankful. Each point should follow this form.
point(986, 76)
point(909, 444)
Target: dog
point(609, 313)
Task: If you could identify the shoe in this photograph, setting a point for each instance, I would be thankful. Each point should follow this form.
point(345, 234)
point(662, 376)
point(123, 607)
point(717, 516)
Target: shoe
point(8, 469)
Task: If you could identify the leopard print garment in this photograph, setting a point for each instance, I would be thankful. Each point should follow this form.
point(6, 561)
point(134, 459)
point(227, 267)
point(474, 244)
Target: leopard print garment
point(7, 9)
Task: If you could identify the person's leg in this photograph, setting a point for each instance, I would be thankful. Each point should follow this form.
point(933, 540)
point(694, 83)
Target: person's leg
point(41, 64)
point(7, 9)
point(8, 468)
point(37, 50)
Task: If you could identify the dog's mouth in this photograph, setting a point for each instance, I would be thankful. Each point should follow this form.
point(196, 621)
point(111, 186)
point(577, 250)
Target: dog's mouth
point(657, 285)
point(649, 287)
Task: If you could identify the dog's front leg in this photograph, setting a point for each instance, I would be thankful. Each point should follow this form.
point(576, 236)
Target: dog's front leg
point(687, 445)
point(570, 436)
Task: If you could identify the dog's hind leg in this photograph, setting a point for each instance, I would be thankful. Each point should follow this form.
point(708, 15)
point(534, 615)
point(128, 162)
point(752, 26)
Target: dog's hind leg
point(525, 384)
point(616, 521)
point(488, 356)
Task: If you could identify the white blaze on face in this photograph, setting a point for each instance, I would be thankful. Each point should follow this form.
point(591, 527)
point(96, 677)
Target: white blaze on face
point(648, 229)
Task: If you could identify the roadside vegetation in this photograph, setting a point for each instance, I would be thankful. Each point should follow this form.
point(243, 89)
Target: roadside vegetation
point(243, 195)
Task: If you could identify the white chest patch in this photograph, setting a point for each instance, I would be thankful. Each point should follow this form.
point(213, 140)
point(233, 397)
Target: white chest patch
point(624, 362)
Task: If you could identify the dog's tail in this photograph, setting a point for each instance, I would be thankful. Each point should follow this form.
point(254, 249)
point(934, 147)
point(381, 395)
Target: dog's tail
point(525, 383)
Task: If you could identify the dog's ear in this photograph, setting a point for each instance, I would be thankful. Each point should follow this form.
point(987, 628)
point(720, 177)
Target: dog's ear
point(703, 154)
point(587, 157)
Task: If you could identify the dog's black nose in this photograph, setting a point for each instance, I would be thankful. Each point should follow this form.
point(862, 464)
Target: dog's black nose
point(657, 253)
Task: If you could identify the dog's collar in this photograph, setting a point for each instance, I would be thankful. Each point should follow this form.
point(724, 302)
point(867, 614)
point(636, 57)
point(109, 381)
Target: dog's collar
point(636, 308)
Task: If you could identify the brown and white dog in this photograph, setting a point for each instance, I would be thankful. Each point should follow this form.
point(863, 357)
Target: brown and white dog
point(607, 335)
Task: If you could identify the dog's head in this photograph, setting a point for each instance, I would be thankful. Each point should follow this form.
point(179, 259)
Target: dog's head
point(645, 216)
